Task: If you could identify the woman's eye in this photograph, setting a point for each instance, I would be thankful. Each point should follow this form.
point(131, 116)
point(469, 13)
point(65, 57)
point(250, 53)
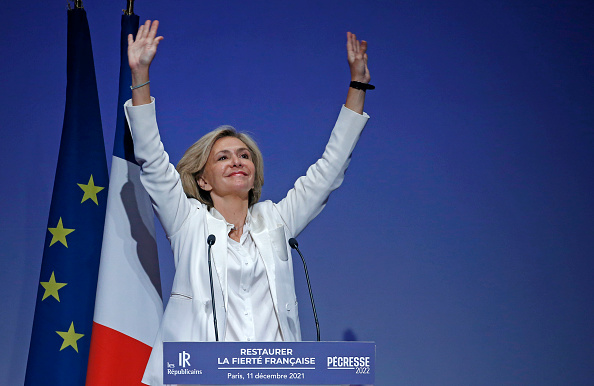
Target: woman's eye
point(222, 158)
point(246, 156)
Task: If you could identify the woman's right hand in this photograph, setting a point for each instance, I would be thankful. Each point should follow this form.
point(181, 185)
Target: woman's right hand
point(141, 51)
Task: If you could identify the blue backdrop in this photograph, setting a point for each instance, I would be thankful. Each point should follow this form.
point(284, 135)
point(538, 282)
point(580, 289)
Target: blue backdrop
point(462, 239)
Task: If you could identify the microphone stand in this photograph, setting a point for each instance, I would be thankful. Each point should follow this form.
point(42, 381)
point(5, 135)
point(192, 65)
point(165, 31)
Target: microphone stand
point(293, 243)
point(211, 240)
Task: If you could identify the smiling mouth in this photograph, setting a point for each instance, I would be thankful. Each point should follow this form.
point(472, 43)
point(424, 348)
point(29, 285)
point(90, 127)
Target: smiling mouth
point(238, 174)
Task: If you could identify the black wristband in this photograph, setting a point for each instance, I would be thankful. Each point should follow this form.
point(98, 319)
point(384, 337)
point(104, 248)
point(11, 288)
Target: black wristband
point(361, 86)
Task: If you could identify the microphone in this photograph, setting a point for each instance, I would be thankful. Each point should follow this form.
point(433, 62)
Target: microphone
point(210, 240)
point(293, 244)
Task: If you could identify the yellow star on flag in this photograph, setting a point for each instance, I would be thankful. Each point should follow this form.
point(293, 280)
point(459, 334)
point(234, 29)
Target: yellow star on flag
point(90, 191)
point(59, 233)
point(70, 337)
point(51, 288)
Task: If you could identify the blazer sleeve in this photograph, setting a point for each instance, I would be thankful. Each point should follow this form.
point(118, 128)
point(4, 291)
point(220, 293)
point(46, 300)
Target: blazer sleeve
point(310, 193)
point(157, 174)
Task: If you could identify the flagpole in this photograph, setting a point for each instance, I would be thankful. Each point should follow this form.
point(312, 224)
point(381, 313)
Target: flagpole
point(129, 8)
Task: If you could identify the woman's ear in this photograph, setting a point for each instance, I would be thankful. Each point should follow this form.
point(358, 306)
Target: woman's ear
point(203, 184)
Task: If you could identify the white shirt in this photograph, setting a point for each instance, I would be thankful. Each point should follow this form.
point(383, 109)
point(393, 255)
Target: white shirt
point(250, 313)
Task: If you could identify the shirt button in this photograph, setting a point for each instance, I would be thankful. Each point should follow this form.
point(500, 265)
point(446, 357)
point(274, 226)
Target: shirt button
point(246, 313)
point(249, 339)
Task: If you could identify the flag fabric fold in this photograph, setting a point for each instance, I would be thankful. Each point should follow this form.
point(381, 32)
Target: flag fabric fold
point(129, 305)
point(61, 334)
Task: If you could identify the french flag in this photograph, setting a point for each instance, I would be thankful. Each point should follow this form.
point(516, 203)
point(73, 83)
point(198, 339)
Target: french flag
point(129, 305)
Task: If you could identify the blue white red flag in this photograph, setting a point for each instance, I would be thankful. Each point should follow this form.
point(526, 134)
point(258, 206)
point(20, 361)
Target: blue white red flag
point(129, 306)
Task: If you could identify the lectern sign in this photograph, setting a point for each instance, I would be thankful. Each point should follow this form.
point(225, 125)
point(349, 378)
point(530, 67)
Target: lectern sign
point(262, 363)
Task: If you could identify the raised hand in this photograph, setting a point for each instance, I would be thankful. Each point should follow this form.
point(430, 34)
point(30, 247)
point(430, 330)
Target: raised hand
point(141, 51)
point(357, 56)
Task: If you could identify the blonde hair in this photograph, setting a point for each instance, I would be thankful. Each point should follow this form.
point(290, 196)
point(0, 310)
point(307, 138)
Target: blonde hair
point(191, 166)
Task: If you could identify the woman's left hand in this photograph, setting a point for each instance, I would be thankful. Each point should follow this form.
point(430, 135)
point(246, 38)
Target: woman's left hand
point(357, 56)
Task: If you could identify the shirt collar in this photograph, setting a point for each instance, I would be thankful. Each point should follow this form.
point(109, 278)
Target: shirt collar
point(248, 219)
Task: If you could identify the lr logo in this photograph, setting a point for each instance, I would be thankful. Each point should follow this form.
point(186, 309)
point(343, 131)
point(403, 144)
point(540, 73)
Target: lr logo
point(184, 359)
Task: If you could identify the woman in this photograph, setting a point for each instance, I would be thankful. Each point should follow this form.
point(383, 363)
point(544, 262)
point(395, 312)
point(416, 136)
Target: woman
point(215, 191)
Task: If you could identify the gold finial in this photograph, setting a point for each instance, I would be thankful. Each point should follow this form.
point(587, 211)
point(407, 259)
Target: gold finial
point(77, 4)
point(129, 8)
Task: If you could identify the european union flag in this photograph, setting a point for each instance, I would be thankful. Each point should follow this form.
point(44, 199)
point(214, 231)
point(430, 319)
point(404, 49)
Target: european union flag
point(63, 320)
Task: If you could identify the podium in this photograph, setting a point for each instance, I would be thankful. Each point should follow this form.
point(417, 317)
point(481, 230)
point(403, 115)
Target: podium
point(269, 363)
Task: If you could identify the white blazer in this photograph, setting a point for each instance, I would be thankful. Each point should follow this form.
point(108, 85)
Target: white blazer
point(187, 224)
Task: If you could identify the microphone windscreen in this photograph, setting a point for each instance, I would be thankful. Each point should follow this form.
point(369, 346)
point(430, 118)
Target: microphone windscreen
point(293, 243)
point(211, 239)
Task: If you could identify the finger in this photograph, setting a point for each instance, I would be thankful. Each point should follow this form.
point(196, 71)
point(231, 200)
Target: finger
point(158, 40)
point(145, 28)
point(139, 33)
point(130, 40)
point(363, 46)
point(354, 42)
point(349, 43)
point(153, 30)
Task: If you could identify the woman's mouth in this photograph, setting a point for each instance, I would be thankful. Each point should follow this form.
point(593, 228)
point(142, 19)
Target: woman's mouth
point(239, 173)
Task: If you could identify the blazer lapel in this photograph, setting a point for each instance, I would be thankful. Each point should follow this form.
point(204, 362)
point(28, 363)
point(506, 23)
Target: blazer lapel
point(219, 251)
point(264, 245)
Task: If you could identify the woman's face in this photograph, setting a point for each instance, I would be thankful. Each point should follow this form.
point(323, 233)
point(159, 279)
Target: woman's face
point(229, 169)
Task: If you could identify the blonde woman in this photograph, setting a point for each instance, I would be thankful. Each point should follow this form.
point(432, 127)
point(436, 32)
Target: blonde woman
point(215, 191)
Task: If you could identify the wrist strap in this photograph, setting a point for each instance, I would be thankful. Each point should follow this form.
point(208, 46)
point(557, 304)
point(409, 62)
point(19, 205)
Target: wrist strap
point(361, 86)
point(140, 85)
